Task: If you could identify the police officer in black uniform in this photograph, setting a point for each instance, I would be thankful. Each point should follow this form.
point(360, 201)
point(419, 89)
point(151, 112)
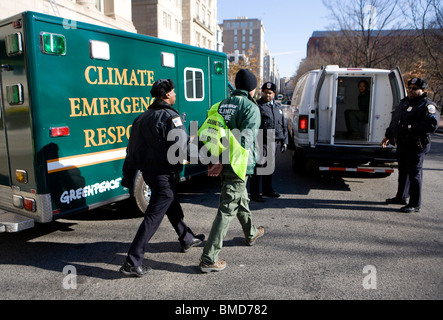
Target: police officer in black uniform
point(147, 151)
point(414, 119)
point(271, 118)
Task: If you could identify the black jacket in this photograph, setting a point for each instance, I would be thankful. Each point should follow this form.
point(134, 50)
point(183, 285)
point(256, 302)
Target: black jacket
point(149, 145)
point(272, 118)
point(413, 121)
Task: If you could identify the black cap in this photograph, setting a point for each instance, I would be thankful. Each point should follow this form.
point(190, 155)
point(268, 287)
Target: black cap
point(269, 86)
point(245, 80)
point(162, 87)
point(420, 83)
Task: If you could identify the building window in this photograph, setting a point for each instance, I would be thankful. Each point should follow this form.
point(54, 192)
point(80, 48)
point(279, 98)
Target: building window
point(197, 39)
point(197, 9)
point(99, 5)
point(165, 19)
point(203, 15)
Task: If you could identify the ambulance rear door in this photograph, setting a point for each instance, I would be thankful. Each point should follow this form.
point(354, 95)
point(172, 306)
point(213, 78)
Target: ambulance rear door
point(16, 141)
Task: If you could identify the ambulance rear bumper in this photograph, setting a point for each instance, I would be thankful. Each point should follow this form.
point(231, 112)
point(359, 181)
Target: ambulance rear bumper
point(13, 222)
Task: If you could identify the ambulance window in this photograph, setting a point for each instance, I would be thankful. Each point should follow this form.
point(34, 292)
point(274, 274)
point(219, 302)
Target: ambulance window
point(194, 84)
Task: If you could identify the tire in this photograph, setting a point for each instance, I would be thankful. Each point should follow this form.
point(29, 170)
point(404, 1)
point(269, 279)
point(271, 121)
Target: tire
point(142, 192)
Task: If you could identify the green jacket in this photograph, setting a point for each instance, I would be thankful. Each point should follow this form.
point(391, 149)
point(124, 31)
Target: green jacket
point(241, 112)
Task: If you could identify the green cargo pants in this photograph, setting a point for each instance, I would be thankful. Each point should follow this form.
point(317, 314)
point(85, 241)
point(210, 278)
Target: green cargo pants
point(234, 201)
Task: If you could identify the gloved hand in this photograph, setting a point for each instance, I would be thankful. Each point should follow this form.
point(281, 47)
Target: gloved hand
point(283, 148)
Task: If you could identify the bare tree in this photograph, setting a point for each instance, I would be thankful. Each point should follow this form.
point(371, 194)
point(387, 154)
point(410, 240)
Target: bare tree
point(366, 30)
point(426, 17)
point(249, 61)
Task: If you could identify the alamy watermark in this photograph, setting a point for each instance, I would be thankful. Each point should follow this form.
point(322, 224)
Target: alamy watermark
point(69, 24)
point(70, 280)
point(370, 281)
point(195, 153)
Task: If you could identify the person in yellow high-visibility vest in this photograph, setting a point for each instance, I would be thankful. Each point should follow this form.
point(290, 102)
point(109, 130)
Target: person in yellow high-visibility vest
point(241, 115)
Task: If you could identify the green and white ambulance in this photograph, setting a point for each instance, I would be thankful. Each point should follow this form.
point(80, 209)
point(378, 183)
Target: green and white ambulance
point(69, 94)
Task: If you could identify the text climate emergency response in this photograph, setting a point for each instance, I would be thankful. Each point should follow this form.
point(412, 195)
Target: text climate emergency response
point(106, 106)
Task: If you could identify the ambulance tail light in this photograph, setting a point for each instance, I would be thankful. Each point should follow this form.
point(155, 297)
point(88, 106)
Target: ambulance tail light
point(17, 24)
point(29, 204)
point(55, 132)
point(24, 203)
point(303, 124)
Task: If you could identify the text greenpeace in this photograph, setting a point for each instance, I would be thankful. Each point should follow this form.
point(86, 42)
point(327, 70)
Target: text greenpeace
point(179, 153)
point(87, 191)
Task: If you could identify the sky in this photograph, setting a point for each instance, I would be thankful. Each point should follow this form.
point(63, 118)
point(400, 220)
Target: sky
point(288, 25)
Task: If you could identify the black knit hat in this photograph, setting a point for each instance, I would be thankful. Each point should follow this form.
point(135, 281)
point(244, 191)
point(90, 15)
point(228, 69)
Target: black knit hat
point(245, 80)
point(420, 83)
point(162, 87)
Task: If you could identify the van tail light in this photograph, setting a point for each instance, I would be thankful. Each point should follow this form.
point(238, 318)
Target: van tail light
point(303, 124)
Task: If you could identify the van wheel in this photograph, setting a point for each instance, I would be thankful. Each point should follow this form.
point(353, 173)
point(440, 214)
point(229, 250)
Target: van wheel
point(142, 192)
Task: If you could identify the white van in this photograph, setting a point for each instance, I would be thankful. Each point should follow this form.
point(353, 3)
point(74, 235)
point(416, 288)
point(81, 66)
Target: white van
point(318, 127)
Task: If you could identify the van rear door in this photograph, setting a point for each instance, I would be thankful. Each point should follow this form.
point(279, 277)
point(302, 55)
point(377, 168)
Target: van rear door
point(324, 102)
point(397, 86)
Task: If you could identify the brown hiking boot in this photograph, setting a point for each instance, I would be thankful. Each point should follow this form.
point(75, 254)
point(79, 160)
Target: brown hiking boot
point(260, 233)
point(217, 266)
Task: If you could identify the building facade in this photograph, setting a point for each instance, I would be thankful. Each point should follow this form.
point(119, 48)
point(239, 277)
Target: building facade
point(270, 71)
point(243, 34)
point(192, 22)
point(115, 14)
point(159, 18)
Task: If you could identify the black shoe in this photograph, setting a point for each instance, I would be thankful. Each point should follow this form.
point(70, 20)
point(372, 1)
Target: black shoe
point(197, 240)
point(396, 201)
point(272, 194)
point(257, 198)
point(409, 209)
point(138, 271)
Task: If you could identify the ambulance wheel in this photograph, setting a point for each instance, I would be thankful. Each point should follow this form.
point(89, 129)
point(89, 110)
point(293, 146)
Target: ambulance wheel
point(142, 192)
